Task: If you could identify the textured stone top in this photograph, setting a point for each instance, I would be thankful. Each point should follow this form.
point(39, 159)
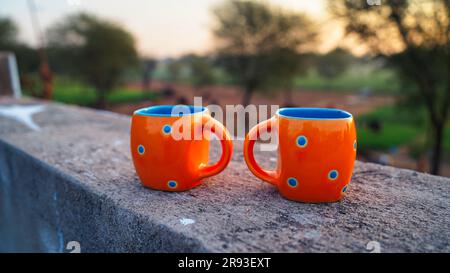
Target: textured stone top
point(103, 205)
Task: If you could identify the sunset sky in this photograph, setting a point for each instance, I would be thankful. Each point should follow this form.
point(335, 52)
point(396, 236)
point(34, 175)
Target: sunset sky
point(162, 28)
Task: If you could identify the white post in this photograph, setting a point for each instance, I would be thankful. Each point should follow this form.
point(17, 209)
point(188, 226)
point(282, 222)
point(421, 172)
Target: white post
point(14, 73)
point(9, 75)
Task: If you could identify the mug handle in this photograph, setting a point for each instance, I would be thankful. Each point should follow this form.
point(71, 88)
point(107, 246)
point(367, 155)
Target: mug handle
point(227, 147)
point(249, 143)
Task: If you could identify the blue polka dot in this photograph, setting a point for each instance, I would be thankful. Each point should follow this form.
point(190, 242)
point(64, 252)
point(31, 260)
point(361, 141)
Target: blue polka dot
point(333, 174)
point(167, 129)
point(302, 141)
point(344, 189)
point(292, 182)
point(141, 149)
point(354, 145)
point(172, 184)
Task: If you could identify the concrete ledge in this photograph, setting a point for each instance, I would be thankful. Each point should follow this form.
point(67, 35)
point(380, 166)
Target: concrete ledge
point(73, 180)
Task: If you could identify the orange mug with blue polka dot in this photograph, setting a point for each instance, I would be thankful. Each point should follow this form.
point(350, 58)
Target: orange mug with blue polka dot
point(170, 146)
point(316, 153)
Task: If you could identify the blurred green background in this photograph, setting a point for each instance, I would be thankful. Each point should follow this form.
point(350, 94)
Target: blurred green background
point(387, 64)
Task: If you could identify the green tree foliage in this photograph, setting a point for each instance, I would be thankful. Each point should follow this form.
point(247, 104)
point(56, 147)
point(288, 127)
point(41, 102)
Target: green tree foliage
point(334, 63)
point(96, 50)
point(201, 69)
point(148, 67)
point(194, 69)
point(175, 67)
point(420, 32)
point(27, 58)
point(8, 33)
point(259, 45)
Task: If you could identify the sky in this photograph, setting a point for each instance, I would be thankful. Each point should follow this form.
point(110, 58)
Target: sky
point(162, 28)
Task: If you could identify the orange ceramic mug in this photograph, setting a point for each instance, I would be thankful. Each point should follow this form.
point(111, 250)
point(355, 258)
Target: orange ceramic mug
point(170, 146)
point(316, 153)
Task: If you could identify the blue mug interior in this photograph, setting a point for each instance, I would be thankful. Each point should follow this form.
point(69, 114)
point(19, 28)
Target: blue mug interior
point(313, 113)
point(170, 110)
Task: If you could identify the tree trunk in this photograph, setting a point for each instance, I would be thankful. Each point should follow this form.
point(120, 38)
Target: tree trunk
point(247, 96)
point(47, 80)
point(101, 99)
point(288, 99)
point(436, 153)
point(146, 81)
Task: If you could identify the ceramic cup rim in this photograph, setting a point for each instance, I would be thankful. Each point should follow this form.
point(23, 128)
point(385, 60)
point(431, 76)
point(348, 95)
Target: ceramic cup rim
point(313, 113)
point(163, 110)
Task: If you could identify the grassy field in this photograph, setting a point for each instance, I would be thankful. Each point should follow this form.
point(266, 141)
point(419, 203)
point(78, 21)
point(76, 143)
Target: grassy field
point(399, 127)
point(378, 81)
point(361, 76)
point(74, 92)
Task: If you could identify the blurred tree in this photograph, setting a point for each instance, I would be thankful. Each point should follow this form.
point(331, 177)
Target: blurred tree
point(201, 70)
point(255, 42)
point(174, 68)
point(27, 57)
point(149, 65)
point(8, 33)
point(334, 63)
point(417, 36)
point(45, 71)
point(286, 64)
point(96, 50)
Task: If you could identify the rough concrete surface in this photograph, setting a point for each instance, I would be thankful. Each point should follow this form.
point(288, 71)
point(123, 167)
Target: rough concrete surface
point(73, 180)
